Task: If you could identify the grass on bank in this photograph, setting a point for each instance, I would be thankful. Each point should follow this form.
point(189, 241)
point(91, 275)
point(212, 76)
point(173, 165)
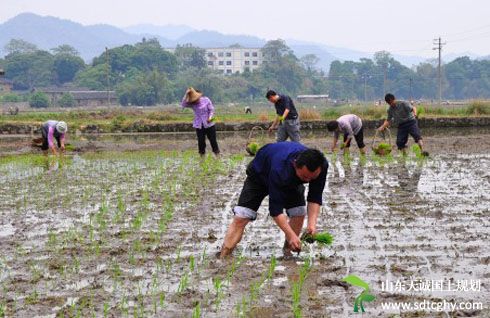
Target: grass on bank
point(118, 118)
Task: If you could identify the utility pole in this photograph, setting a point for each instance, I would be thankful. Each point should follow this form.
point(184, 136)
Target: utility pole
point(385, 66)
point(108, 75)
point(365, 86)
point(438, 47)
point(411, 94)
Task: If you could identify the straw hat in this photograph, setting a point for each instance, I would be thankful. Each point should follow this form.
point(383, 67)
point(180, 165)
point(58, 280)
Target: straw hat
point(192, 95)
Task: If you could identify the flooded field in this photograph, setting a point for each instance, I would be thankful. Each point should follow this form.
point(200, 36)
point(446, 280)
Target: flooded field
point(134, 234)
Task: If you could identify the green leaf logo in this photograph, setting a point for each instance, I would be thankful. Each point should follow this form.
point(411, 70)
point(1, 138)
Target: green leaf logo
point(364, 296)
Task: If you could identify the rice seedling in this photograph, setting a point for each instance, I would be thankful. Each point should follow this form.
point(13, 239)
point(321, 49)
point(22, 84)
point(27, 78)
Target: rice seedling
point(191, 263)
point(218, 287)
point(183, 284)
point(382, 149)
point(323, 238)
point(196, 313)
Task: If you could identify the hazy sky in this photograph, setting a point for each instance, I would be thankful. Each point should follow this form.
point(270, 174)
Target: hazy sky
point(402, 27)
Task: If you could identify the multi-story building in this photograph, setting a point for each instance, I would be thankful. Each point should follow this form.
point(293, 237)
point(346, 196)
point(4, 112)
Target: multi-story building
point(232, 60)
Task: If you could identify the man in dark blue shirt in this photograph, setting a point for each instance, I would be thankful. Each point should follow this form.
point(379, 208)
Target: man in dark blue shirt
point(280, 170)
point(287, 120)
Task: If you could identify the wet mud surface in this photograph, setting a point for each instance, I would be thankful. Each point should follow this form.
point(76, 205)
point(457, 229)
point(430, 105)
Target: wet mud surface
point(134, 234)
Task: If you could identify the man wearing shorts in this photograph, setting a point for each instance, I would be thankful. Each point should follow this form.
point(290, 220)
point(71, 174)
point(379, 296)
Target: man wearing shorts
point(403, 115)
point(351, 127)
point(279, 170)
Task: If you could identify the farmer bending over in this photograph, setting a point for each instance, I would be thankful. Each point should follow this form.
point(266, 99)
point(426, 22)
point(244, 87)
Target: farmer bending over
point(51, 130)
point(279, 170)
point(351, 127)
point(403, 115)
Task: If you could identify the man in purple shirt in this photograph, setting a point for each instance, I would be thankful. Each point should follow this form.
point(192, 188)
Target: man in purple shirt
point(203, 119)
point(351, 127)
point(53, 130)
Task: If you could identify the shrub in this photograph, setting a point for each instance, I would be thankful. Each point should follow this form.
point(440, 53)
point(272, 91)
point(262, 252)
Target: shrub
point(309, 114)
point(478, 108)
point(39, 100)
point(67, 100)
point(10, 98)
point(263, 116)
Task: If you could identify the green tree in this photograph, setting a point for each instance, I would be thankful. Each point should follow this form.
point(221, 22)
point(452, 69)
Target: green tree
point(39, 100)
point(66, 66)
point(67, 100)
point(19, 46)
point(29, 70)
point(65, 49)
point(190, 56)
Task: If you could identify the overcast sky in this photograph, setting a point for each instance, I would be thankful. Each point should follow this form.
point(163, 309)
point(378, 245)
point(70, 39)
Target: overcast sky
point(401, 27)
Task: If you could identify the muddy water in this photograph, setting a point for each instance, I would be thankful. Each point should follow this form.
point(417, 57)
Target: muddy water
point(84, 237)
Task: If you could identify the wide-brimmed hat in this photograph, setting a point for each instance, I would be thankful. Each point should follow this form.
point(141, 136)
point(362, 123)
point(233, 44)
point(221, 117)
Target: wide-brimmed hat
point(192, 95)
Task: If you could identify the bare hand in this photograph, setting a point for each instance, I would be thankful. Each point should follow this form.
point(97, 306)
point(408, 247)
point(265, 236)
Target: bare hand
point(311, 229)
point(271, 129)
point(381, 128)
point(62, 148)
point(294, 243)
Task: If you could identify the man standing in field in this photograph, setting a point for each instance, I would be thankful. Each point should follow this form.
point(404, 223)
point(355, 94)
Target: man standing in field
point(403, 115)
point(280, 170)
point(351, 127)
point(287, 120)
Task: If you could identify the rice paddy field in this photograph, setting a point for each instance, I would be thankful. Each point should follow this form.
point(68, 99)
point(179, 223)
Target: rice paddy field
point(130, 227)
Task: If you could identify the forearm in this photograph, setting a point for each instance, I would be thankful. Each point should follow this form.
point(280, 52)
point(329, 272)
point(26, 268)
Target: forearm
point(313, 212)
point(334, 143)
point(275, 122)
point(282, 222)
point(285, 114)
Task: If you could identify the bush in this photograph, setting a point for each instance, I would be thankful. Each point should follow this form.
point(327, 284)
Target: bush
point(10, 98)
point(39, 100)
point(67, 100)
point(478, 108)
point(309, 114)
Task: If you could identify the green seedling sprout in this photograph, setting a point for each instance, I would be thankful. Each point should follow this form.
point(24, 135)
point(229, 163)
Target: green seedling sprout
point(324, 238)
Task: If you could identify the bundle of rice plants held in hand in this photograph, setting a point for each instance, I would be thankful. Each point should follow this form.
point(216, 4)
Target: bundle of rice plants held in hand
point(324, 238)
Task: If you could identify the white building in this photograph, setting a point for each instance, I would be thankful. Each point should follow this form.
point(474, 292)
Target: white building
point(232, 60)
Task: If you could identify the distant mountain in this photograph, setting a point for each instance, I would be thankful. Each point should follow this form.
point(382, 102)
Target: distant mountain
point(209, 39)
point(171, 32)
point(50, 32)
point(90, 41)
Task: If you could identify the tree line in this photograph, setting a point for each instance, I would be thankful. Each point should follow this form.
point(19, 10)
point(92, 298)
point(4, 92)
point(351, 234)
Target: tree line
point(147, 74)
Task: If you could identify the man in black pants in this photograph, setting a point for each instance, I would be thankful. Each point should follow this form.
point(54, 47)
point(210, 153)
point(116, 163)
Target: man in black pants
point(279, 170)
point(403, 115)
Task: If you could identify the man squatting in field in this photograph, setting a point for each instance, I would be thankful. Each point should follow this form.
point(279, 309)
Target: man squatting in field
point(280, 170)
point(403, 115)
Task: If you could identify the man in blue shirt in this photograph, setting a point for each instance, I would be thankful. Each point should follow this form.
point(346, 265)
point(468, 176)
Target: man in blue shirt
point(280, 170)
